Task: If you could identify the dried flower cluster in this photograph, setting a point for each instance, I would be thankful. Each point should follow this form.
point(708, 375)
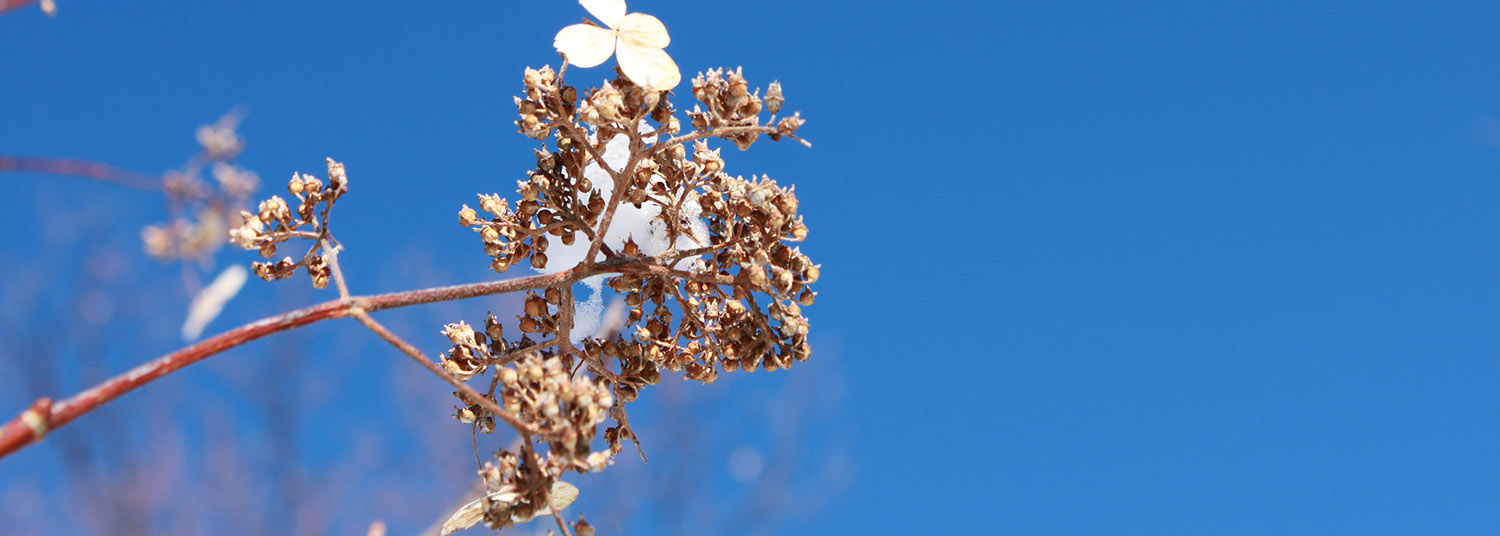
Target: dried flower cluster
point(731, 104)
point(202, 210)
point(712, 281)
point(275, 222)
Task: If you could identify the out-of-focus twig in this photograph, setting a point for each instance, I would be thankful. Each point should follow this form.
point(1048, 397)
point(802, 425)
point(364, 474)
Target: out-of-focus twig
point(7, 6)
point(79, 168)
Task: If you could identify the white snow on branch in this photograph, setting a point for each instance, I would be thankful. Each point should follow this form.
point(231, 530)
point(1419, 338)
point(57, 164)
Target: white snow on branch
point(643, 225)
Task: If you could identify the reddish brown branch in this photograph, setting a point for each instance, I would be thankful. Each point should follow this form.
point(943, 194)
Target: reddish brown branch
point(16, 434)
point(33, 424)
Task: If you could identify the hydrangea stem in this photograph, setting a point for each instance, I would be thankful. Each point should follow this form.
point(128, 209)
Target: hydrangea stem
point(32, 425)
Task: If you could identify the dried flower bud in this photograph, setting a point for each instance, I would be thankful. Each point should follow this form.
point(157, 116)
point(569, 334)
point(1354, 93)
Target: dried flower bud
point(789, 125)
point(799, 231)
point(811, 273)
point(460, 333)
point(708, 160)
point(493, 204)
point(493, 328)
point(773, 98)
point(538, 79)
point(738, 86)
point(609, 103)
point(336, 177)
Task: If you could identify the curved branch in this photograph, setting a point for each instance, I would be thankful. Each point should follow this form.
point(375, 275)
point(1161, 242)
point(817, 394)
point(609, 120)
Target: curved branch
point(34, 423)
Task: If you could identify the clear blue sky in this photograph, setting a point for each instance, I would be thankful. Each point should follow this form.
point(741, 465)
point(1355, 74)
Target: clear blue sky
point(1088, 268)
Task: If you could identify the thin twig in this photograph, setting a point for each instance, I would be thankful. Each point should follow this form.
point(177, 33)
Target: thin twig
point(655, 269)
point(513, 355)
point(615, 197)
point(564, 333)
point(333, 267)
point(79, 168)
point(560, 523)
point(469, 394)
point(719, 133)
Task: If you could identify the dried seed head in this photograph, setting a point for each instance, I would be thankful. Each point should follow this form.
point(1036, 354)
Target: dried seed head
point(336, 177)
point(773, 98)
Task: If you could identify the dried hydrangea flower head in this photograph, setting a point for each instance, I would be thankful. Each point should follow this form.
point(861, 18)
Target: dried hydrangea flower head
point(637, 39)
point(704, 265)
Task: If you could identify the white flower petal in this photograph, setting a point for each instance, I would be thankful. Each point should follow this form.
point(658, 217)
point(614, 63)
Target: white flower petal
point(585, 45)
point(644, 30)
point(646, 66)
point(563, 494)
point(607, 11)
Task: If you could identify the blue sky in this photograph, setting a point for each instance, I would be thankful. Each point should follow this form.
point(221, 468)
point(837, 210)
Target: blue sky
point(1088, 268)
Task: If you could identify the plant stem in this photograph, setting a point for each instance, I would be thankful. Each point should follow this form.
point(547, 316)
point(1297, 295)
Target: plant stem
point(76, 168)
point(33, 424)
point(469, 394)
